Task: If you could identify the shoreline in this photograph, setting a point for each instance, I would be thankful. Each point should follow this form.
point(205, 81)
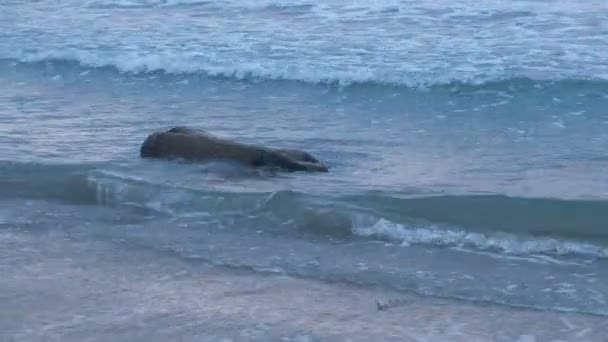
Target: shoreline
point(57, 288)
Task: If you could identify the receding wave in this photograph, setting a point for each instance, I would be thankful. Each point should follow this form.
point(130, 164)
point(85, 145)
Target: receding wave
point(487, 223)
point(197, 65)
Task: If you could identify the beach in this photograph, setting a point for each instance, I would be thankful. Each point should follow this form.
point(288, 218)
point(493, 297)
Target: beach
point(69, 296)
point(466, 197)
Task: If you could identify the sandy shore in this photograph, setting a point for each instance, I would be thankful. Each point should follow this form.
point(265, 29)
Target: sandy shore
point(55, 288)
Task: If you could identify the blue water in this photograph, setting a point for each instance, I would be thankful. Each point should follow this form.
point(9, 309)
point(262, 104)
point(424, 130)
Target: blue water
point(467, 141)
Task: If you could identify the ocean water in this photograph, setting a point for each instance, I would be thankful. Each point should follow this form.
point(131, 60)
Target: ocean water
point(467, 141)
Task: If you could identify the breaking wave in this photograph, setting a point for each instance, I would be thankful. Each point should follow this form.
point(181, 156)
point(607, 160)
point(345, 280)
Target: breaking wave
point(438, 221)
point(197, 65)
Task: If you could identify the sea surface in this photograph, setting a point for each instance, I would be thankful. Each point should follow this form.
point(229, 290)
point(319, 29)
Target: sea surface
point(467, 141)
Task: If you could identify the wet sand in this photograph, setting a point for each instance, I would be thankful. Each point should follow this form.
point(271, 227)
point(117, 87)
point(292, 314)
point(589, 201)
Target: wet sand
point(56, 288)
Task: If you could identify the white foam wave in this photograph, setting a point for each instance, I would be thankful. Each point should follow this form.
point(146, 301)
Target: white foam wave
point(503, 243)
point(188, 63)
point(180, 63)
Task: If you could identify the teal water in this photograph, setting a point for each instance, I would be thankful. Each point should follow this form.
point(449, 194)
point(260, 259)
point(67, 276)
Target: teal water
point(467, 144)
